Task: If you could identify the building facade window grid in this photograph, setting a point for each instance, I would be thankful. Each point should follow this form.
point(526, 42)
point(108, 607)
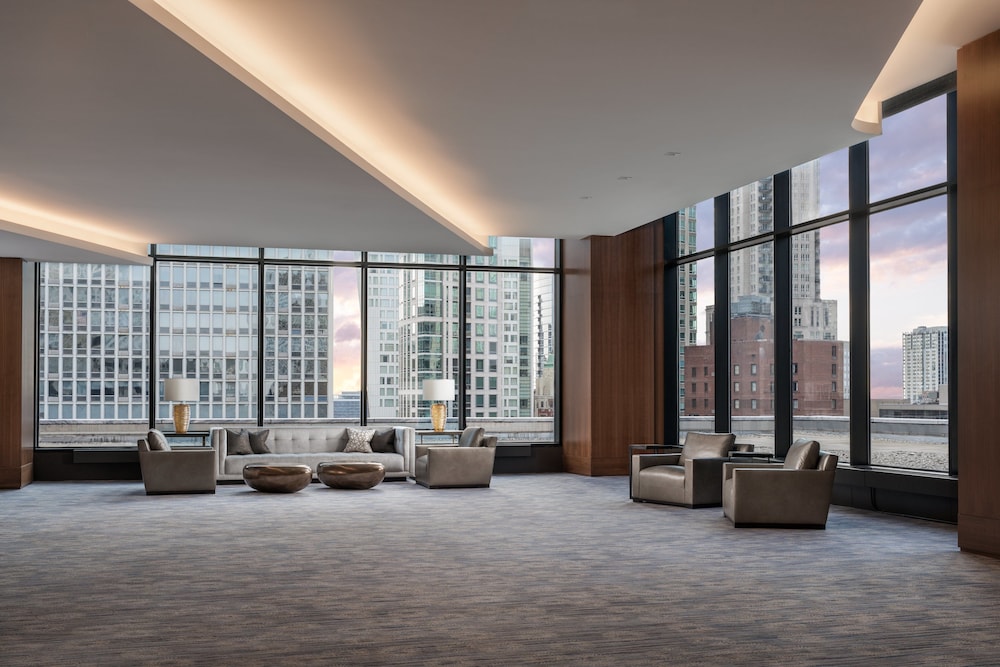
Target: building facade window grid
point(207, 325)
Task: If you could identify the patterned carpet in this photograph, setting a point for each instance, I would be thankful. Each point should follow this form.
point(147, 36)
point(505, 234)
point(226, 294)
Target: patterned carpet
point(537, 570)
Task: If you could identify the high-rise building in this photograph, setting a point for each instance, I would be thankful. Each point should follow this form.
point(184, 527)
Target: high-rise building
point(383, 287)
point(687, 289)
point(96, 333)
point(94, 341)
point(416, 314)
point(925, 363)
point(751, 271)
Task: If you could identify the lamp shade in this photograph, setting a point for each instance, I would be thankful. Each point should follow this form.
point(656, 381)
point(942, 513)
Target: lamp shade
point(181, 389)
point(439, 390)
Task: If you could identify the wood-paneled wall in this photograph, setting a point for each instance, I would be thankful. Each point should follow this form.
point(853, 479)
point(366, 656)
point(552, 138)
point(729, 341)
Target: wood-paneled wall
point(17, 375)
point(978, 275)
point(612, 348)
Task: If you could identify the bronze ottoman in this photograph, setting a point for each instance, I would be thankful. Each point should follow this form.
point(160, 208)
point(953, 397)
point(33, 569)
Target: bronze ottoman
point(350, 475)
point(277, 479)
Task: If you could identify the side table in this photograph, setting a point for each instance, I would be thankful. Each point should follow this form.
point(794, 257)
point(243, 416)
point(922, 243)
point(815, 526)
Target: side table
point(421, 434)
point(188, 434)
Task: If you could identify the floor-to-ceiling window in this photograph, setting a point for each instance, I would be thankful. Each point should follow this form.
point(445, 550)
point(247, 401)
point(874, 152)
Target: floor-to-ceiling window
point(284, 335)
point(838, 261)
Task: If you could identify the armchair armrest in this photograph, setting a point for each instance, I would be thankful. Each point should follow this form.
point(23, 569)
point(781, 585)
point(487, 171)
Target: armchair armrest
point(780, 496)
point(178, 470)
point(421, 450)
point(703, 481)
point(459, 466)
point(640, 461)
point(728, 467)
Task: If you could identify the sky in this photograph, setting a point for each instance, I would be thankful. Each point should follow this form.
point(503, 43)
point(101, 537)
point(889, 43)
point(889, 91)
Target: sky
point(908, 245)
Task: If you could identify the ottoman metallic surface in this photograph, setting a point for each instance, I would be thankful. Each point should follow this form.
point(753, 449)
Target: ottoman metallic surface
point(277, 479)
point(350, 475)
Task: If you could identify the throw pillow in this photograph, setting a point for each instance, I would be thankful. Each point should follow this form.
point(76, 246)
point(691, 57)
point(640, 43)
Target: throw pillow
point(384, 442)
point(359, 440)
point(238, 442)
point(157, 441)
point(258, 441)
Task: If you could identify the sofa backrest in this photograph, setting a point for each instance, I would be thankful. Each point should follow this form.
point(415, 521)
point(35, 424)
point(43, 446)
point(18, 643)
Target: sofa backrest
point(303, 440)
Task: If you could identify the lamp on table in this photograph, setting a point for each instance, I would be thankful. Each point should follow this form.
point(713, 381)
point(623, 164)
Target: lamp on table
point(180, 391)
point(439, 390)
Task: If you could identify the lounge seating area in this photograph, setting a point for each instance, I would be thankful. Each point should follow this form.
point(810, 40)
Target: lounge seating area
point(311, 445)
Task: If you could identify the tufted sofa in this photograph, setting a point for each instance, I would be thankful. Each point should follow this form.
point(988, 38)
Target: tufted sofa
point(312, 445)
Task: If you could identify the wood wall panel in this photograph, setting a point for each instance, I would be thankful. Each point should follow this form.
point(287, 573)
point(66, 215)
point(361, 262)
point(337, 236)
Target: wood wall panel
point(612, 349)
point(17, 363)
point(978, 276)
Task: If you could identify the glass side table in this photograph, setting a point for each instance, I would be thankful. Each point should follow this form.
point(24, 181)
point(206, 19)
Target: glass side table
point(171, 435)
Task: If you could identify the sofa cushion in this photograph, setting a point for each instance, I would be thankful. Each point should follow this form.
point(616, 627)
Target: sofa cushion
point(707, 445)
point(802, 455)
point(359, 439)
point(471, 437)
point(238, 442)
point(258, 441)
point(157, 441)
point(384, 441)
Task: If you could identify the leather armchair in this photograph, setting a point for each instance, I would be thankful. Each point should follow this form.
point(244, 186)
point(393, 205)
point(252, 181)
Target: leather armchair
point(177, 470)
point(794, 494)
point(691, 477)
point(468, 464)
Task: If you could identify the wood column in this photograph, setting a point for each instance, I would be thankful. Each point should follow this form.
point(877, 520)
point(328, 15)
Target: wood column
point(612, 348)
point(17, 372)
point(978, 278)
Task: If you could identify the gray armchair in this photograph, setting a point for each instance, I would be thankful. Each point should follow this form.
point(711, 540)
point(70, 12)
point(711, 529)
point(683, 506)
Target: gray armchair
point(794, 494)
point(177, 470)
point(691, 477)
point(468, 464)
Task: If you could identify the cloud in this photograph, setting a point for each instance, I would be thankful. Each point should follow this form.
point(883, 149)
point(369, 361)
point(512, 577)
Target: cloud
point(911, 152)
point(887, 372)
point(349, 332)
point(543, 252)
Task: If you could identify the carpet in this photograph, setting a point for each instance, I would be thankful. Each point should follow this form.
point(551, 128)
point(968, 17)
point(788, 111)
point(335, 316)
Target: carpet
point(552, 569)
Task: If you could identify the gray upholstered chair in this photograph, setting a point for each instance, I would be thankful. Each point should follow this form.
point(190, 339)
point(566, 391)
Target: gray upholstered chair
point(468, 464)
point(691, 477)
point(177, 470)
point(794, 494)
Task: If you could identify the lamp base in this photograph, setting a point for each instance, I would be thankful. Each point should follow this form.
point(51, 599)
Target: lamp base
point(182, 417)
point(438, 416)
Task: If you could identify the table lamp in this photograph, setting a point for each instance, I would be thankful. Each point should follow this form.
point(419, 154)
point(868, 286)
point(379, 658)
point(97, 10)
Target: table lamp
point(181, 390)
point(439, 390)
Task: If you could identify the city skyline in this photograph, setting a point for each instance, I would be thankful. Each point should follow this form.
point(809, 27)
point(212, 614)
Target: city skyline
point(908, 268)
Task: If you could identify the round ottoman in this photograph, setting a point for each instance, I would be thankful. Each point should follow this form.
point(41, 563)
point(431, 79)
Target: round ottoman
point(277, 479)
point(350, 475)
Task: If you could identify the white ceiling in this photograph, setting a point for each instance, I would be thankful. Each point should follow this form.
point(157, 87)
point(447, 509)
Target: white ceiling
point(420, 126)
